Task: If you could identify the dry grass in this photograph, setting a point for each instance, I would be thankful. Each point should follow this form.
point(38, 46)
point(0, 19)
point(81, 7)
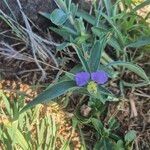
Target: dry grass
point(32, 47)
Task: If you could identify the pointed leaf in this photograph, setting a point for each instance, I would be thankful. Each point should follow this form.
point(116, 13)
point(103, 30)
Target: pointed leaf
point(96, 54)
point(6, 102)
point(62, 46)
point(105, 91)
point(51, 93)
point(108, 6)
point(45, 14)
point(81, 57)
point(87, 17)
point(143, 4)
point(133, 85)
point(140, 42)
point(103, 144)
point(61, 4)
point(132, 67)
point(17, 137)
point(66, 33)
point(97, 125)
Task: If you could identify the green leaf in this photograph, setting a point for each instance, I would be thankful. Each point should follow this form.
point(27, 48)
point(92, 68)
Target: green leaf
point(61, 4)
point(76, 69)
point(87, 17)
point(104, 144)
point(81, 39)
point(113, 123)
point(103, 94)
point(130, 136)
point(114, 136)
point(97, 125)
point(112, 23)
point(46, 15)
point(61, 32)
point(65, 32)
point(81, 57)
point(6, 102)
point(108, 6)
point(110, 71)
point(135, 85)
point(99, 31)
point(132, 67)
point(58, 17)
point(96, 53)
point(51, 93)
point(17, 137)
point(139, 43)
point(62, 46)
point(79, 25)
point(112, 98)
point(105, 91)
point(115, 44)
point(119, 145)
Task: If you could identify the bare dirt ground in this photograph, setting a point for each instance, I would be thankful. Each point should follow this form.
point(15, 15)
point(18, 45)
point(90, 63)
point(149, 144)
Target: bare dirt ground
point(30, 7)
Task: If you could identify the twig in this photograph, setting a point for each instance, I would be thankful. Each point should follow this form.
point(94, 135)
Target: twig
point(133, 107)
point(136, 145)
point(143, 95)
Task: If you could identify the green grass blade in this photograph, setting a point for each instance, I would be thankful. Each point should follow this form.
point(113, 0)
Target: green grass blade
point(65, 32)
point(147, 2)
point(45, 14)
point(138, 85)
point(17, 137)
point(108, 6)
point(6, 102)
point(139, 43)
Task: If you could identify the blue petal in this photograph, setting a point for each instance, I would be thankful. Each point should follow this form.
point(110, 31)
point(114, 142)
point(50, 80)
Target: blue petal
point(99, 77)
point(82, 78)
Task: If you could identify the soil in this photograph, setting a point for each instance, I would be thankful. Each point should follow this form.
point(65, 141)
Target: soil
point(11, 68)
point(30, 7)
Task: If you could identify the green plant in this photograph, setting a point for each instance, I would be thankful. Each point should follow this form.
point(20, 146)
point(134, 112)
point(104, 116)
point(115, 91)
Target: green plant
point(89, 45)
point(19, 134)
point(108, 139)
point(32, 129)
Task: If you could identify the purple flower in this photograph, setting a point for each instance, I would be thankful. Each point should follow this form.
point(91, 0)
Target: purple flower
point(82, 78)
point(99, 77)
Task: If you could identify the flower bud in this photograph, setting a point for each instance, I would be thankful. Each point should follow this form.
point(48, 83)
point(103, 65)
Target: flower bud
point(92, 87)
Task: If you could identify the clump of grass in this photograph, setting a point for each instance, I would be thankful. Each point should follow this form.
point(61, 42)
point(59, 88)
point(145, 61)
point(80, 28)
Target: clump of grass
point(45, 127)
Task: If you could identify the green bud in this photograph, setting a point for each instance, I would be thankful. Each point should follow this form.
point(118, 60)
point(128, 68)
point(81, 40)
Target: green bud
point(92, 87)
